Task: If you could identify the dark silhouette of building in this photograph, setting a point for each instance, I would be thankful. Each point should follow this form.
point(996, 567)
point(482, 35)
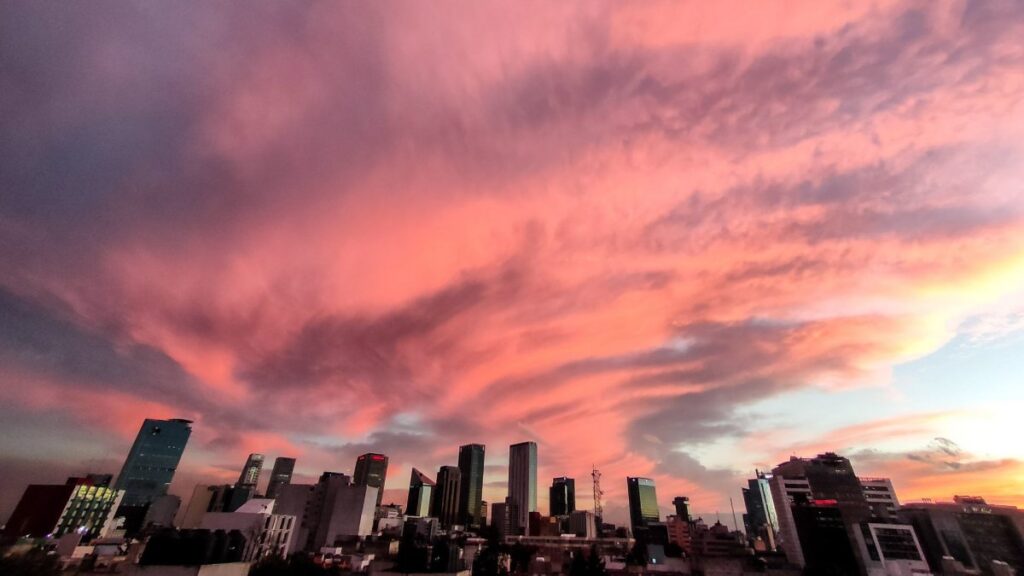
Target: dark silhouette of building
point(152, 460)
point(445, 506)
point(682, 506)
point(562, 496)
point(280, 475)
point(471, 468)
point(421, 494)
point(170, 547)
point(38, 511)
point(522, 485)
point(643, 502)
point(372, 470)
point(824, 538)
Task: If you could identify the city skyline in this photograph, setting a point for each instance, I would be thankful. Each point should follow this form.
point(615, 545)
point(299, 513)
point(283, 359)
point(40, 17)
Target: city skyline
point(664, 240)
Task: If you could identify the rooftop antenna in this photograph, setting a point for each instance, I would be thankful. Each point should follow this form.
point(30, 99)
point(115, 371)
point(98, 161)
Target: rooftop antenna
point(735, 525)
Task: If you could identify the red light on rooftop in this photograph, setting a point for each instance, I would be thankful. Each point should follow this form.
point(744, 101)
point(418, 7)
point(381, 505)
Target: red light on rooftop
point(825, 502)
point(377, 457)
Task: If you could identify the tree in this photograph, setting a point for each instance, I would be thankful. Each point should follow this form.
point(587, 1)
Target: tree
point(521, 556)
point(487, 562)
point(595, 564)
point(638, 555)
point(578, 567)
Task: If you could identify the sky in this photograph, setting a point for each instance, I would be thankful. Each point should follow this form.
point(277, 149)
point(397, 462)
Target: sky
point(681, 240)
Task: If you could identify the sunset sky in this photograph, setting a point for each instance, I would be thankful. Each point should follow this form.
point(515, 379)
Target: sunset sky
point(681, 240)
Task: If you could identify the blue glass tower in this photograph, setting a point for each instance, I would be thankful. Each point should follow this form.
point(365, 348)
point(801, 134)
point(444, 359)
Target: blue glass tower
point(152, 461)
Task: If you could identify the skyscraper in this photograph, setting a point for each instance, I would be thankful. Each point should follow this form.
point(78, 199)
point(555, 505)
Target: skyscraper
point(152, 460)
point(760, 519)
point(562, 496)
point(643, 502)
point(372, 470)
point(445, 506)
point(250, 475)
point(421, 491)
point(522, 483)
point(471, 469)
point(281, 475)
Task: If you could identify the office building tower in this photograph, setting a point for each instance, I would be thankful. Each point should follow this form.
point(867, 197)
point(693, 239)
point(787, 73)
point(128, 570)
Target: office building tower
point(968, 535)
point(522, 484)
point(815, 497)
point(881, 497)
point(297, 500)
point(682, 506)
point(498, 519)
point(152, 460)
point(421, 494)
point(57, 509)
point(280, 475)
point(250, 476)
point(348, 513)
point(583, 523)
point(445, 506)
point(643, 502)
point(266, 532)
point(562, 496)
point(471, 469)
point(760, 520)
point(372, 470)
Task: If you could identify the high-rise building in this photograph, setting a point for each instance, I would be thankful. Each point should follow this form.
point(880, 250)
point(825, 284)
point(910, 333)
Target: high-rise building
point(281, 475)
point(968, 535)
point(682, 506)
point(522, 484)
point(814, 500)
point(760, 520)
point(471, 468)
point(562, 496)
point(421, 492)
point(371, 470)
point(643, 502)
point(152, 460)
point(250, 476)
point(445, 506)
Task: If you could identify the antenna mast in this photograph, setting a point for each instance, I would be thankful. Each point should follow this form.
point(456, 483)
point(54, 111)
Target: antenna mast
point(598, 510)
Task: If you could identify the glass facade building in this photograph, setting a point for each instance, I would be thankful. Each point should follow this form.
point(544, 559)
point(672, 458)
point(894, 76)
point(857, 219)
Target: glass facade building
point(250, 475)
point(562, 496)
point(643, 502)
point(522, 483)
point(372, 470)
point(281, 475)
point(420, 494)
point(152, 460)
point(471, 488)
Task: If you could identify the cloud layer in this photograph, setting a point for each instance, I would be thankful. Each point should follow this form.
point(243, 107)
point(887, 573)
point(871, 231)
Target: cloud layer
point(319, 229)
